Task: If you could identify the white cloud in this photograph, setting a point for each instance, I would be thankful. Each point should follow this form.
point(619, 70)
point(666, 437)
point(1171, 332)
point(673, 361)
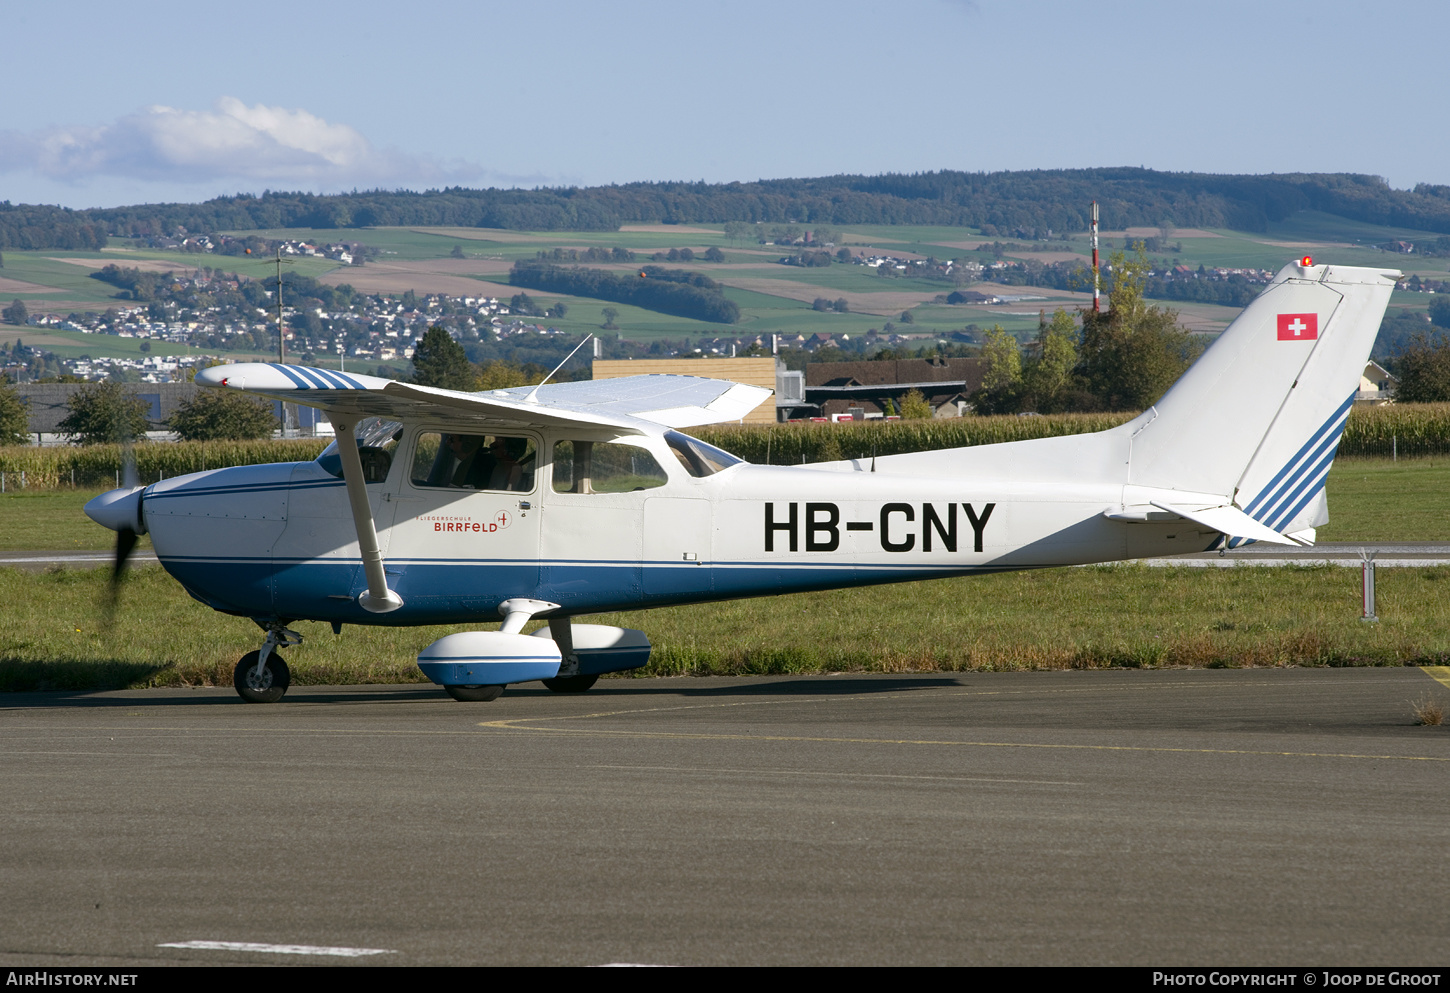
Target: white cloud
point(258, 144)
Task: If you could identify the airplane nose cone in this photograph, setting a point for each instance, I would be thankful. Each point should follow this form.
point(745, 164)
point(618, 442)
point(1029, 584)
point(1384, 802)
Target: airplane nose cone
point(118, 509)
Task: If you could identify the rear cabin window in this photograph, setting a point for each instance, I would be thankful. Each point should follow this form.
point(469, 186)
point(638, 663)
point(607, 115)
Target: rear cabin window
point(603, 467)
point(474, 461)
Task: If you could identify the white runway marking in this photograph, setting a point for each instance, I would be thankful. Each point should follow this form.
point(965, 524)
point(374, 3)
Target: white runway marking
point(252, 946)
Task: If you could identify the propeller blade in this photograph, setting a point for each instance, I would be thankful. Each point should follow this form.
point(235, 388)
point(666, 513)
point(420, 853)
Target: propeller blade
point(125, 544)
point(130, 478)
point(126, 538)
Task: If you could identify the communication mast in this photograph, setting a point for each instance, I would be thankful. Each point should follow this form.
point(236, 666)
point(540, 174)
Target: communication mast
point(289, 411)
point(1096, 304)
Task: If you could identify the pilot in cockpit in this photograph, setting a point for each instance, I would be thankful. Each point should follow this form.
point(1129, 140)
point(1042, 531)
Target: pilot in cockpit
point(473, 465)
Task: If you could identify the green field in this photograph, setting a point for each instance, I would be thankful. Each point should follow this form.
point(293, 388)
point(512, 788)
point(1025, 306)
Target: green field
point(1106, 616)
point(763, 311)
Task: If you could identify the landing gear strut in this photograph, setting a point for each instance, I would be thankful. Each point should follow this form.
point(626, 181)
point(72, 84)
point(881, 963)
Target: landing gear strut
point(262, 676)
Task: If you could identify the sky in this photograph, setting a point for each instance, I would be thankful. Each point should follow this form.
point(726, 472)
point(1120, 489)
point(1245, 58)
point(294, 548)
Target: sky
point(108, 104)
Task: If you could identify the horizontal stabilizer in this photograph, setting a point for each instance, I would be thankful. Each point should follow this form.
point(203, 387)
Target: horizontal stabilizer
point(1228, 520)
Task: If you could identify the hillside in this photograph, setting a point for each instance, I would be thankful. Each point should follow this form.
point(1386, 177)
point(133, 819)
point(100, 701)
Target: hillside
point(1009, 204)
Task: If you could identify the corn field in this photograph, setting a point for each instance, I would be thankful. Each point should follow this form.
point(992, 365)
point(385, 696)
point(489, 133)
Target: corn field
point(1403, 429)
point(97, 466)
point(792, 444)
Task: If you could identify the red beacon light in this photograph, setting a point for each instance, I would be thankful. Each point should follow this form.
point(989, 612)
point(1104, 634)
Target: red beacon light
point(1306, 262)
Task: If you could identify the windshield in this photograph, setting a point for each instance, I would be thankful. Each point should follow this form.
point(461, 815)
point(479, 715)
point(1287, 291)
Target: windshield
point(376, 438)
point(698, 458)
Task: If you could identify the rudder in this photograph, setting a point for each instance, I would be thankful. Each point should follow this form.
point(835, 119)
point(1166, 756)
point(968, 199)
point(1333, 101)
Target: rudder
point(1258, 418)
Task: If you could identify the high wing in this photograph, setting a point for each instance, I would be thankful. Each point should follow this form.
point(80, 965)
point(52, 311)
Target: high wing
point(634, 403)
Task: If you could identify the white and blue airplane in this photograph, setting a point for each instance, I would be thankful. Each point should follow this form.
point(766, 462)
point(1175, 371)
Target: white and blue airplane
point(443, 507)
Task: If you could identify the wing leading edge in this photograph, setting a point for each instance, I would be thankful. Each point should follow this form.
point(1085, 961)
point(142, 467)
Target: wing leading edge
point(671, 401)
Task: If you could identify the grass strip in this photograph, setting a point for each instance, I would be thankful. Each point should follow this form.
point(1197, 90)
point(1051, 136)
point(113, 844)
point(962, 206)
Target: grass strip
point(55, 636)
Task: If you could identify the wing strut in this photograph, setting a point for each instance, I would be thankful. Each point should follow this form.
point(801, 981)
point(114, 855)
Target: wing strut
point(378, 599)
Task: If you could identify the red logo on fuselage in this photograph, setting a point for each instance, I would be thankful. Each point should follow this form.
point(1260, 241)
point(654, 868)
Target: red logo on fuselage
point(500, 522)
point(1298, 327)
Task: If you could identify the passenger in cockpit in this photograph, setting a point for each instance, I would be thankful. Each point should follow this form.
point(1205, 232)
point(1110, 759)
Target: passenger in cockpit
point(507, 472)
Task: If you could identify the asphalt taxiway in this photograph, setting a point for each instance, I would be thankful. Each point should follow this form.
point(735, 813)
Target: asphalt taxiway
point(1292, 816)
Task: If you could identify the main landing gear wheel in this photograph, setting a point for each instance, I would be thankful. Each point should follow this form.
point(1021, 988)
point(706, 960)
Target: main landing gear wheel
point(571, 684)
point(269, 687)
point(474, 694)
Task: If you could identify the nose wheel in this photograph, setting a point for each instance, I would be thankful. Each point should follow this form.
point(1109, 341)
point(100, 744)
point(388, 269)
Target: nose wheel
point(265, 686)
point(262, 676)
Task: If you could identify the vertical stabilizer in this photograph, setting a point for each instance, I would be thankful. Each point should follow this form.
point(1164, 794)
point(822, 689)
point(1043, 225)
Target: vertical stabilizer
point(1258, 417)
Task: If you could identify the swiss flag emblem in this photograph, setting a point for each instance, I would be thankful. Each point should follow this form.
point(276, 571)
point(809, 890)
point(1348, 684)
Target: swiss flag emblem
point(1298, 327)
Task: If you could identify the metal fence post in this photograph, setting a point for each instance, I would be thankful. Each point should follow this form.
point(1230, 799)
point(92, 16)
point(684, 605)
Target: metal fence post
point(1367, 587)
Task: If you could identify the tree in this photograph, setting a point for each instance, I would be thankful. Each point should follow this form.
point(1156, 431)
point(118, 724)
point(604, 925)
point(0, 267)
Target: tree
point(821, 304)
point(843, 255)
point(14, 416)
point(609, 315)
point(222, 415)
point(1424, 370)
point(1048, 380)
point(457, 252)
point(559, 310)
point(713, 254)
point(1134, 352)
point(907, 317)
point(1440, 310)
point(441, 362)
point(914, 406)
point(522, 303)
point(501, 375)
point(104, 414)
point(16, 313)
point(1001, 389)
point(841, 306)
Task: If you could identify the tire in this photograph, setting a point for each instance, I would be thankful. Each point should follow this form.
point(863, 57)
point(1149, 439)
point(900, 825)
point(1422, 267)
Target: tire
point(571, 684)
point(270, 688)
point(474, 694)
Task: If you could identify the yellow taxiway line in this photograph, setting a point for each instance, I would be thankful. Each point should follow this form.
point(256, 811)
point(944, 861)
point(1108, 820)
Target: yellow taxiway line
point(1439, 673)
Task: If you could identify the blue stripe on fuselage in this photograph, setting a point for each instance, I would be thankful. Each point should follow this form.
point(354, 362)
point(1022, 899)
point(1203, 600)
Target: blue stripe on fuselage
point(442, 591)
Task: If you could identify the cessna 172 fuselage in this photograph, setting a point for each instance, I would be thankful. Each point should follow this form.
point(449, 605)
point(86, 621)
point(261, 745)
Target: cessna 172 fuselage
point(578, 498)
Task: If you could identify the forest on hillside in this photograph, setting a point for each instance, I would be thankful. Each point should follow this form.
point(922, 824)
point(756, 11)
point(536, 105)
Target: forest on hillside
point(1025, 204)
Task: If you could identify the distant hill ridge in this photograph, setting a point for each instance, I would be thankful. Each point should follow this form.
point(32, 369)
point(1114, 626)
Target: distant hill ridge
point(1006, 203)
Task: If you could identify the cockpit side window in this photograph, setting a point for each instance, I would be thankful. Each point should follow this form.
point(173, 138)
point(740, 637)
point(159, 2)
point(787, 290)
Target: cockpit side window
point(377, 441)
point(474, 461)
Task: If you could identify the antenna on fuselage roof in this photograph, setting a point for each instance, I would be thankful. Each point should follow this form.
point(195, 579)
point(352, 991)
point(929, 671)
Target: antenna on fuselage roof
point(533, 393)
